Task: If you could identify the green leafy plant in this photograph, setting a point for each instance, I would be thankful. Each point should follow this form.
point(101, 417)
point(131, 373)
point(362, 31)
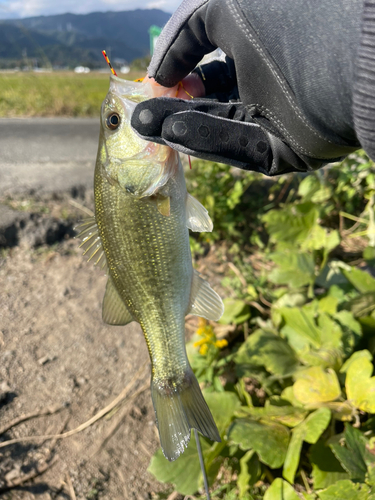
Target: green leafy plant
point(292, 386)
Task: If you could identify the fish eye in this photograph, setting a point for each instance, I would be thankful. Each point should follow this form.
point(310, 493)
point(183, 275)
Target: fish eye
point(113, 121)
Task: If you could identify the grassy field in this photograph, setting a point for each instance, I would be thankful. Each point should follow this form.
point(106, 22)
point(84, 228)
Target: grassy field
point(53, 94)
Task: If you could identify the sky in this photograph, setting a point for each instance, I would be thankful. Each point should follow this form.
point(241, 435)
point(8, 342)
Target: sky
point(10, 9)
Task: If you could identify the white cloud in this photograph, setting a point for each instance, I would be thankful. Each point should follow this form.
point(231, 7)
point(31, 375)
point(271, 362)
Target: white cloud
point(30, 8)
point(158, 4)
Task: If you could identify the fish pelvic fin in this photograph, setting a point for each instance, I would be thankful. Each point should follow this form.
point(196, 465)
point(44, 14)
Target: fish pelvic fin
point(179, 407)
point(114, 311)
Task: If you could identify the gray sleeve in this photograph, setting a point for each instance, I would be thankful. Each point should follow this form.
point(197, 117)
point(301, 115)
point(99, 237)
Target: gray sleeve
point(364, 84)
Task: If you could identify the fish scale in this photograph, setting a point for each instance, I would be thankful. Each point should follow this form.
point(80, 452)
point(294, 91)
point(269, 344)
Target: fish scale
point(142, 216)
point(162, 271)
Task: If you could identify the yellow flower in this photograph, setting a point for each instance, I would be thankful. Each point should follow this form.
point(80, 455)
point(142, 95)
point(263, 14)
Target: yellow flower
point(209, 332)
point(203, 350)
point(199, 342)
point(208, 337)
point(221, 343)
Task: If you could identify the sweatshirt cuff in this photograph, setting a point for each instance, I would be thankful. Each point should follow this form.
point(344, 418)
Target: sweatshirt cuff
point(364, 85)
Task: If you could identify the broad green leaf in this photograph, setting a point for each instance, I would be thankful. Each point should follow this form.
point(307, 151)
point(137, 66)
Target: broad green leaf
point(309, 430)
point(288, 395)
point(367, 324)
point(362, 305)
point(365, 354)
point(184, 473)
point(264, 348)
point(361, 280)
point(287, 415)
point(315, 424)
point(250, 471)
point(286, 300)
point(295, 269)
point(293, 454)
point(337, 292)
point(235, 311)
point(351, 456)
point(300, 327)
point(222, 406)
point(330, 331)
point(316, 239)
point(235, 195)
point(328, 305)
point(349, 325)
point(309, 186)
point(244, 476)
point(326, 468)
point(280, 490)
point(292, 223)
point(360, 386)
point(327, 357)
point(269, 440)
point(315, 386)
point(370, 476)
point(320, 238)
point(369, 254)
point(332, 241)
point(345, 490)
point(332, 274)
point(295, 299)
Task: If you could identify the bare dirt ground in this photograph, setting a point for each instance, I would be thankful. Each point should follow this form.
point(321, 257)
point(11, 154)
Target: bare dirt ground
point(56, 353)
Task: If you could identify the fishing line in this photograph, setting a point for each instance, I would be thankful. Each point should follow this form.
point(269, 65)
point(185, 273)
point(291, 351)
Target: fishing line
point(205, 480)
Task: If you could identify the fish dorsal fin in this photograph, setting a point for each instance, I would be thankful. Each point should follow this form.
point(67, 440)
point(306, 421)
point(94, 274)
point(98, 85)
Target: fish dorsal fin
point(205, 302)
point(114, 311)
point(197, 218)
point(88, 232)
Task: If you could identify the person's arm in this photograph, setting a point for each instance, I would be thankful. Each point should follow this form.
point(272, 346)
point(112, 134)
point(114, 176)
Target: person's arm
point(282, 99)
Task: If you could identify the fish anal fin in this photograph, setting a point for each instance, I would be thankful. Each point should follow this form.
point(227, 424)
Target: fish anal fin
point(179, 407)
point(88, 233)
point(205, 302)
point(114, 311)
point(197, 218)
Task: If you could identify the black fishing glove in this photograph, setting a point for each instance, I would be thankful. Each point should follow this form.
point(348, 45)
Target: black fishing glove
point(282, 98)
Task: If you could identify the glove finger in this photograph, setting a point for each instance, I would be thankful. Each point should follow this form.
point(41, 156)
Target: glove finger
point(215, 138)
point(182, 44)
point(148, 116)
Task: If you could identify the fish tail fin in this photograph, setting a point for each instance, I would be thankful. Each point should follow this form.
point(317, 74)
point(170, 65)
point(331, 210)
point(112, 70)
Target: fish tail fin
point(180, 406)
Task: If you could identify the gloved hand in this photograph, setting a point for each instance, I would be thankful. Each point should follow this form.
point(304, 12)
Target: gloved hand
point(281, 100)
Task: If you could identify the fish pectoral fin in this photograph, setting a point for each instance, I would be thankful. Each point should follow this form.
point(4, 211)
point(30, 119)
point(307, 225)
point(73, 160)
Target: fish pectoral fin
point(180, 407)
point(88, 232)
point(114, 311)
point(197, 218)
point(205, 302)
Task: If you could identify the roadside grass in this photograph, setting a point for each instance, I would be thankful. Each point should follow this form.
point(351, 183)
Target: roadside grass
point(53, 94)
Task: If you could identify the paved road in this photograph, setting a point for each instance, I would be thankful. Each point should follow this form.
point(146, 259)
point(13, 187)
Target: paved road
point(47, 154)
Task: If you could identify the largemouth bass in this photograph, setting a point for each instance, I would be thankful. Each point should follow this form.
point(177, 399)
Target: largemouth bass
point(140, 235)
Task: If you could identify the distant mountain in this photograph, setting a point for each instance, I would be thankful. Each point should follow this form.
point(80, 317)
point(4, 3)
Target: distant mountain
point(70, 39)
